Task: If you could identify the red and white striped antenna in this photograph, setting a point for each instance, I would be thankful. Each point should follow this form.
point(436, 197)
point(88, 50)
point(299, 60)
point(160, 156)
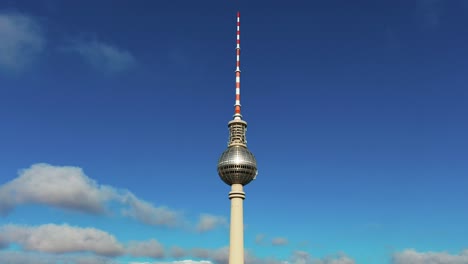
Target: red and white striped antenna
point(237, 111)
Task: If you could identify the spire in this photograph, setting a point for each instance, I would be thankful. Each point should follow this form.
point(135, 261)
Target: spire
point(237, 111)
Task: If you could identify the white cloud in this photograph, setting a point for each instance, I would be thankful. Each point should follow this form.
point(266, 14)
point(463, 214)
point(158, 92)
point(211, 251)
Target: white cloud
point(202, 253)
point(302, 257)
point(148, 214)
point(63, 187)
point(150, 248)
point(21, 41)
point(218, 256)
point(69, 188)
point(102, 56)
point(51, 238)
point(221, 255)
point(12, 257)
point(279, 241)
point(411, 256)
point(209, 222)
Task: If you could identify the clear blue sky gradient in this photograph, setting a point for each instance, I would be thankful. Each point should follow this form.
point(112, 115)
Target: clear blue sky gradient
point(357, 114)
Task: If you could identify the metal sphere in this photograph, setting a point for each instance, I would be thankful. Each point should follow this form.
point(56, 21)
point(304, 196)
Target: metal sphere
point(237, 165)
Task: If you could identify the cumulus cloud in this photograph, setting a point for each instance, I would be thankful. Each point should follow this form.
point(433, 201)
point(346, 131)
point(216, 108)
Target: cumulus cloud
point(150, 248)
point(62, 239)
point(202, 253)
point(21, 41)
point(146, 213)
point(102, 56)
point(221, 256)
point(209, 222)
point(51, 238)
point(69, 188)
point(217, 256)
point(279, 241)
point(63, 187)
point(411, 256)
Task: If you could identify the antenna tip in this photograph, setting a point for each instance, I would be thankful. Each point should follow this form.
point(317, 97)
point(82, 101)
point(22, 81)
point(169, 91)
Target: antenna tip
point(238, 14)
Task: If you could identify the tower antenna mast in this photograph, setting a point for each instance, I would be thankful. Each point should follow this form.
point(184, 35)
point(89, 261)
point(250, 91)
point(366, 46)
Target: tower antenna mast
point(237, 110)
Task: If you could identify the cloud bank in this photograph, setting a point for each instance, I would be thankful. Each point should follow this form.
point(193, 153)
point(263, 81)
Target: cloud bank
point(221, 256)
point(150, 248)
point(51, 243)
point(69, 188)
point(57, 239)
point(411, 256)
point(21, 42)
point(63, 239)
point(302, 257)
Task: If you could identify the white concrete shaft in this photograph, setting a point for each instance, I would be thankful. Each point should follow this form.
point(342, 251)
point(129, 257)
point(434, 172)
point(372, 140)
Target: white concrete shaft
point(236, 243)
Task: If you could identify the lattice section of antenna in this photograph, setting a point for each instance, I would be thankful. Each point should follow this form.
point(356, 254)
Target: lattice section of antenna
point(237, 132)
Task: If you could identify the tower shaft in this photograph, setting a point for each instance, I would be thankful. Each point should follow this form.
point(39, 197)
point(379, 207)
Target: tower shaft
point(236, 242)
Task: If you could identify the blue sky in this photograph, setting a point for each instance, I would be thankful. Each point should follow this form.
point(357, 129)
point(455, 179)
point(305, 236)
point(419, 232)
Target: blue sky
point(114, 114)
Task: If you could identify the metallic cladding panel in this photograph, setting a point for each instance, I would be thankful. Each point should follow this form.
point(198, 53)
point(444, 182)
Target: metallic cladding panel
point(237, 165)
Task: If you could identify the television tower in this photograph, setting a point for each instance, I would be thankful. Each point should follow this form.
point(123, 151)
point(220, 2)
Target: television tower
point(237, 167)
